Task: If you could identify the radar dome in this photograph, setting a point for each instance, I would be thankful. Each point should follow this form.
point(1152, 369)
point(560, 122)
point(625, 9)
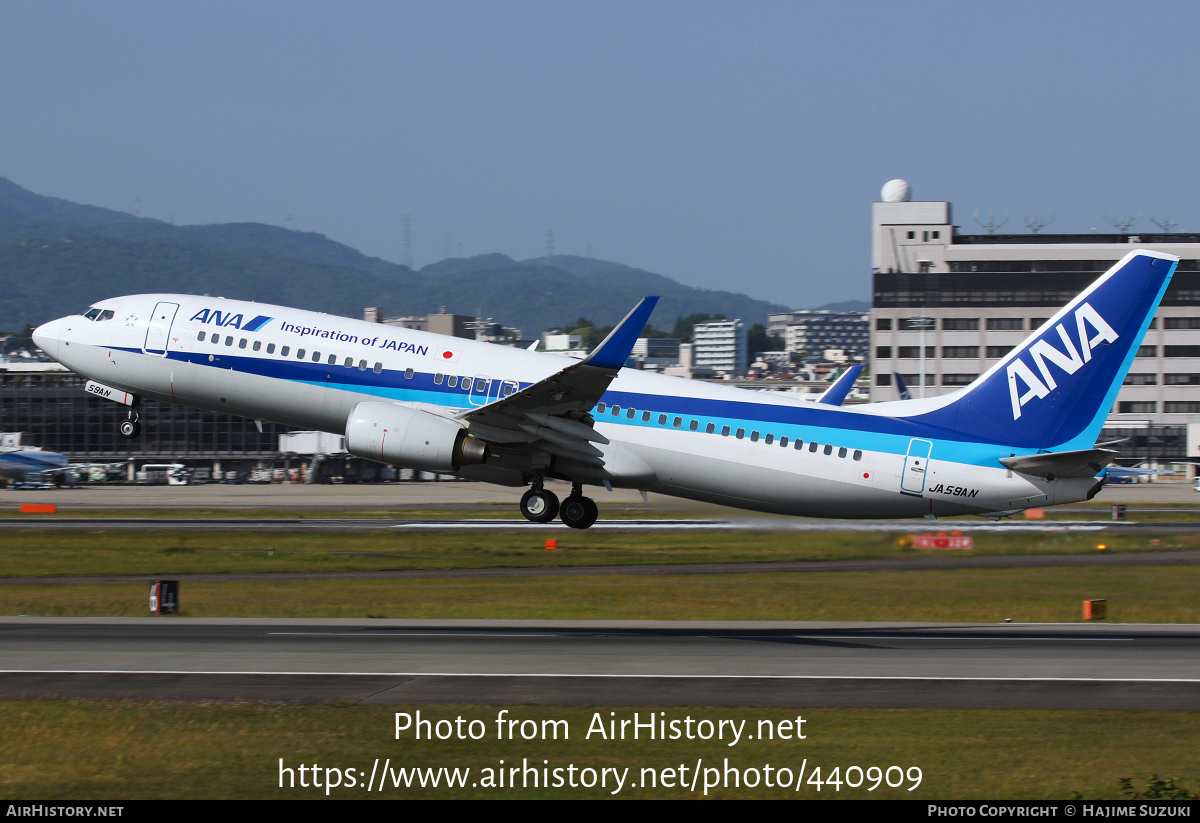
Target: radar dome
point(896, 191)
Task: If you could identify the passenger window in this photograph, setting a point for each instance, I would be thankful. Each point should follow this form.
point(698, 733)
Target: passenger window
point(662, 420)
point(710, 428)
point(258, 345)
point(740, 434)
point(316, 358)
point(783, 442)
point(753, 437)
point(451, 381)
point(812, 447)
point(828, 449)
point(216, 339)
point(600, 407)
point(769, 439)
point(438, 378)
point(509, 388)
point(349, 363)
point(615, 411)
point(242, 343)
point(630, 413)
point(270, 348)
point(695, 424)
point(677, 422)
point(858, 454)
point(200, 337)
point(362, 365)
point(284, 351)
point(332, 360)
point(799, 445)
point(645, 417)
point(408, 374)
point(724, 431)
point(466, 384)
point(299, 354)
point(378, 369)
point(842, 451)
point(229, 340)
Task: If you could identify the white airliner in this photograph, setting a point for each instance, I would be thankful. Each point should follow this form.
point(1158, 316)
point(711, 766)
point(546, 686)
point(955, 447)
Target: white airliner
point(1022, 435)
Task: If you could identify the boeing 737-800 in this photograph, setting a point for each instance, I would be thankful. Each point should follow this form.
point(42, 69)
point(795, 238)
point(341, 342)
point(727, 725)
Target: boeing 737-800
point(1022, 435)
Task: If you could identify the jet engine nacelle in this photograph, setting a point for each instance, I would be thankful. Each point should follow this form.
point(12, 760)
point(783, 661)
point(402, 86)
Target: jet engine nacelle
point(407, 436)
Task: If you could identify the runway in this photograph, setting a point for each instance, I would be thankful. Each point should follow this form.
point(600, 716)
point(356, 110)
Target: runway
point(352, 525)
point(597, 662)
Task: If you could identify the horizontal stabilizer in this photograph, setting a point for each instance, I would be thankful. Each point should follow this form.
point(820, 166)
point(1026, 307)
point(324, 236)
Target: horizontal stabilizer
point(1056, 465)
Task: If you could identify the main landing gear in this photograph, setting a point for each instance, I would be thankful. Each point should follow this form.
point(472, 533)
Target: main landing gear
point(576, 511)
point(130, 427)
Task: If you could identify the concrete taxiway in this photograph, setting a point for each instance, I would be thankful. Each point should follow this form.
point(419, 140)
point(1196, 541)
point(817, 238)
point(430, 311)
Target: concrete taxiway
point(598, 662)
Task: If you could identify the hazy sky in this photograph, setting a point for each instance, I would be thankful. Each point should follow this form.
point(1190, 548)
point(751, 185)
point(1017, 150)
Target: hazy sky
point(728, 145)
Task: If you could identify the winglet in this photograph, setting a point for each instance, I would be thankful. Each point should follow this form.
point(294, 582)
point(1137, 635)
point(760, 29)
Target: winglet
point(614, 350)
point(835, 394)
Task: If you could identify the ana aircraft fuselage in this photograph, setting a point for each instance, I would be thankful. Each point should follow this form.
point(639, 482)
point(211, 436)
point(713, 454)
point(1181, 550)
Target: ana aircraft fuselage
point(759, 450)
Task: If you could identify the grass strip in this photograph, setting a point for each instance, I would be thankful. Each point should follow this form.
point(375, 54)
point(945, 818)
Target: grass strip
point(116, 750)
point(1140, 594)
point(39, 553)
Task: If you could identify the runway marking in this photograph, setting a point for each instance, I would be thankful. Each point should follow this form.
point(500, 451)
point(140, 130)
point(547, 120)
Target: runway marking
point(635, 635)
point(916, 678)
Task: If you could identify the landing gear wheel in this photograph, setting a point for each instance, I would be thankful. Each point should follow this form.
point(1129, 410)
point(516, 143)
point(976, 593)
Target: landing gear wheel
point(579, 512)
point(539, 505)
point(130, 428)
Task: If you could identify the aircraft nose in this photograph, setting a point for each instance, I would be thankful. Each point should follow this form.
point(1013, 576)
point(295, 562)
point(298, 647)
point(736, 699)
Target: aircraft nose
point(48, 336)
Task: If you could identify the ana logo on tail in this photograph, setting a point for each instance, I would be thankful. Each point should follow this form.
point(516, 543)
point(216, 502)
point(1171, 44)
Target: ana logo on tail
point(1070, 359)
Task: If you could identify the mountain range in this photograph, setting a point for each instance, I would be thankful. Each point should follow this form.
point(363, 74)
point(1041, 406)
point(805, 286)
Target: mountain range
point(56, 257)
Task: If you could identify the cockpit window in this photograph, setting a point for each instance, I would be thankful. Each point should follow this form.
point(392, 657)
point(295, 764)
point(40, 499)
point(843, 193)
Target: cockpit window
point(92, 314)
point(107, 314)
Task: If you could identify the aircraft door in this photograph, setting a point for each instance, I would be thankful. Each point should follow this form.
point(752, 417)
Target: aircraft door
point(916, 465)
point(480, 388)
point(158, 331)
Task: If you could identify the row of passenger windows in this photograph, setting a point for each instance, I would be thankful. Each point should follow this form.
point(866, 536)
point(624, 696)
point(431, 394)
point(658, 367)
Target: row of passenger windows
point(711, 428)
point(450, 381)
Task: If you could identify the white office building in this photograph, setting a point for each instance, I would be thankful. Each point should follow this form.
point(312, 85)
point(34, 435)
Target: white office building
point(812, 331)
point(720, 346)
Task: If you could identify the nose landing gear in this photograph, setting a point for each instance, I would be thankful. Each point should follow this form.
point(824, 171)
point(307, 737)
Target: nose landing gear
point(130, 427)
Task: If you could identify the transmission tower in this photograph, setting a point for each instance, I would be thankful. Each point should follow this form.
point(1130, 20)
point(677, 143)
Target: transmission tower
point(406, 242)
point(991, 225)
point(1037, 222)
point(1122, 224)
point(549, 242)
point(1166, 223)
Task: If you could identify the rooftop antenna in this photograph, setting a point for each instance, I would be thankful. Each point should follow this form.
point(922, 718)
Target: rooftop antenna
point(549, 242)
point(1037, 222)
point(1122, 224)
point(289, 221)
point(991, 225)
point(447, 249)
point(137, 207)
point(1166, 223)
point(406, 241)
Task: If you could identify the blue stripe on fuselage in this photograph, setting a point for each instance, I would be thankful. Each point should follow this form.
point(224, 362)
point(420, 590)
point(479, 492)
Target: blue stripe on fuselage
point(830, 425)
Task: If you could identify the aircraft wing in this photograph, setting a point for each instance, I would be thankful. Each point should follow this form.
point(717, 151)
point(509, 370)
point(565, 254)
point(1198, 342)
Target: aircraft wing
point(554, 411)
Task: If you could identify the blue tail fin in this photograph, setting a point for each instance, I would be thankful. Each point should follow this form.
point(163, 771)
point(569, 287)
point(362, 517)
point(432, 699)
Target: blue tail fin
point(1055, 390)
point(901, 388)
